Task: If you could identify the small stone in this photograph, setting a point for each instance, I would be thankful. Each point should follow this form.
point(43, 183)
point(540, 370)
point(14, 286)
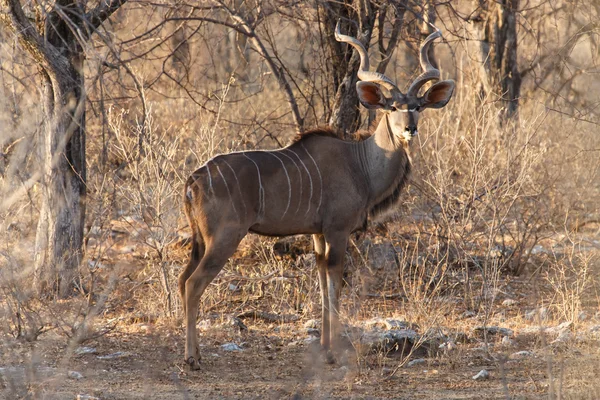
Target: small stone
point(564, 326)
point(448, 346)
point(85, 350)
point(231, 347)
point(118, 354)
point(395, 324)
point(509, 303)
point(387, 323)
point(204, 324)
point(537, 249)
point(483, 348)
point(92, 264)
point(563, 337)
point(539, 313)
point(582, 316)
point(481, 375)
point(313, 332)
point(311, 339)
point(417, 361)
point(74, 375)
point(495, 330)
point(519, 355)
point(87, 397)
point(312, 324)
point(594, 329)
point(237, 324)
point(561, 328)
point(506, 341)
point(233, 288)
point(95, 230)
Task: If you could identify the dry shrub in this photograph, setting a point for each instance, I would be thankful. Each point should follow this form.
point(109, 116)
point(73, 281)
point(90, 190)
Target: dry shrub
point(481, 198)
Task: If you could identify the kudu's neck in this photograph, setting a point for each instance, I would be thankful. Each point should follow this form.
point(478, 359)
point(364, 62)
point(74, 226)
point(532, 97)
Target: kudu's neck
point(383, 157)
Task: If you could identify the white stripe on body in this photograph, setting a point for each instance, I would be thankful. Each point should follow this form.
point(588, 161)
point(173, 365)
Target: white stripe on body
point(319, 172)
point(261, 190)
point(288, 181)
point(309, 177)
point(300, 175)
point(228, 192)
point(209, 178)
point(238, 186)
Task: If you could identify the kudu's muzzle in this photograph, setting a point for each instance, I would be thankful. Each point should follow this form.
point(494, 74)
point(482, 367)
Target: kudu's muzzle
point(411, 130)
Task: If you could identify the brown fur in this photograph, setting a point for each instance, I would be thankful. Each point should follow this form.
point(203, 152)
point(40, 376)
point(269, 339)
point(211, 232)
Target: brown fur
point(332, 190)
point(324, 131)
point(329, 132)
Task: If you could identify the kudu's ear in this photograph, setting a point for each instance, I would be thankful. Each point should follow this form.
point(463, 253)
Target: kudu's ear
point(438, 95)
point(370, 95)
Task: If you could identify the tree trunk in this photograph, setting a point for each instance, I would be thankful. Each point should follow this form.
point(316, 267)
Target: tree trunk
point(59, 55)
point(345, 111)
point(59, 238)
point(496, 26)
point(345, 114)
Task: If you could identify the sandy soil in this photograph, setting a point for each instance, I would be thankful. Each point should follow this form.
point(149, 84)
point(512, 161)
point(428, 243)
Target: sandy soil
point(142, 358)
point(145, 362)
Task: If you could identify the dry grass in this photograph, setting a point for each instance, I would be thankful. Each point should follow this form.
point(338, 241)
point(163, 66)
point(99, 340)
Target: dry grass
point(492, 213)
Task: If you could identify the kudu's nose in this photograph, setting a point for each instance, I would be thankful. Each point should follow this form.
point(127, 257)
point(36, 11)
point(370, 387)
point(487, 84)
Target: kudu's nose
point(411, 129)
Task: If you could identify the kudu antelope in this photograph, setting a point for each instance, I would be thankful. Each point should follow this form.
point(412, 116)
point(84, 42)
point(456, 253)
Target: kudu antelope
point(319, 185)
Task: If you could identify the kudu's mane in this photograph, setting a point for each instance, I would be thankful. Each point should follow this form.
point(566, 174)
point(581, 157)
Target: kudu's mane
point(329, 132)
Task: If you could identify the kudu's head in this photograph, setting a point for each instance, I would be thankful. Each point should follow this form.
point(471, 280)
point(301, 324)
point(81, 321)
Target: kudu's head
point(403, 108)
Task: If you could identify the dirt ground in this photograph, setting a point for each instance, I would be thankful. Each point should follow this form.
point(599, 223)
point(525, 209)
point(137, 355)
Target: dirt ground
point(144, 361)
point(150, 366)
point(141, 357)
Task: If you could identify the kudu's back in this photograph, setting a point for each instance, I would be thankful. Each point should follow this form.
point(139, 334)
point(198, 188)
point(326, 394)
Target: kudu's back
point(299, 189)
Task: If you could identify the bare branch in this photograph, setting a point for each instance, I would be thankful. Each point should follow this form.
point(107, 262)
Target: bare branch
point(46, 55)
point(386, 51)
point(275, 69)
point(104, 10)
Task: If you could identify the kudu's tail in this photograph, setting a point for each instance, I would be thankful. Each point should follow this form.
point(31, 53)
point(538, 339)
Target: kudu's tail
point(197, 239)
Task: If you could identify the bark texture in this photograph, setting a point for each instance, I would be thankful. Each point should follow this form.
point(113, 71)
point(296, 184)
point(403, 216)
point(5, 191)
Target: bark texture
point(496, 24)
point(345, 112)
point(59, 54)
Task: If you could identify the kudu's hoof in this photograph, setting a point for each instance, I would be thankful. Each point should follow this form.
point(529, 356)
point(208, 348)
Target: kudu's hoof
point(329, 357)
point(193, 364)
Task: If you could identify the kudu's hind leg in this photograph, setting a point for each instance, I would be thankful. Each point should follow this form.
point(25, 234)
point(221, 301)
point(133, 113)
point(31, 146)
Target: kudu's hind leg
point(319, 245)
point(218, 250)
point(195, 258)
point(335, 253)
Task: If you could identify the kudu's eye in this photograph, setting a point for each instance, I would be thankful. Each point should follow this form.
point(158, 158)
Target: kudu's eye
point(392, 108)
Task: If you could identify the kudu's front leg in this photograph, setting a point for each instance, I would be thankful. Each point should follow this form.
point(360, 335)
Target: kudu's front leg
point(319, 245)
point(335, 252)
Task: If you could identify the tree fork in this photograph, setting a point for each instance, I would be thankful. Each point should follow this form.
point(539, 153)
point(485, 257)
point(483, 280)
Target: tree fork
point(59, 54)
